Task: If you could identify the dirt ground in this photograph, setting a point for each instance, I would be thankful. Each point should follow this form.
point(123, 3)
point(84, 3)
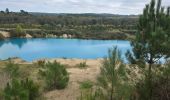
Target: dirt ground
point(76, 75)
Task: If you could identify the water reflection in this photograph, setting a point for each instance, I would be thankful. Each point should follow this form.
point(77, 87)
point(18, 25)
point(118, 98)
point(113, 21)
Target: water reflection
point(18, 42)
point(31, 49)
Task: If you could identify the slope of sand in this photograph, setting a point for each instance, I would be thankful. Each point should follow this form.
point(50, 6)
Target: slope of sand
point(5, 34)
point(77, 75)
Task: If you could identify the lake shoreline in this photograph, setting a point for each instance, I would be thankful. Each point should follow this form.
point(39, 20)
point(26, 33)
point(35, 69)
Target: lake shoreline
point(60, 38)
point(8, 34)
point(18, 60)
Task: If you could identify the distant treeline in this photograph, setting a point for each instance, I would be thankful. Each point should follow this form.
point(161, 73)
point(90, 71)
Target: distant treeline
point(86, 26)
point(118, 21)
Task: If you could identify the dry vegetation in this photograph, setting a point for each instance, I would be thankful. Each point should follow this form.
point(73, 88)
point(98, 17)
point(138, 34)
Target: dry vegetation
point(76, 74)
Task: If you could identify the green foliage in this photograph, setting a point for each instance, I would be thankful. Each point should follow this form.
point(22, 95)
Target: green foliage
point(55, 75)
point(19, 29)
point(84, 26)
point(113, 77)
point(153, 38)
point(41, 63)
point(160, 85)
point(150, 45)
point(62, 20)
point(86, 84)
point(18, 32)
point(142, 89)
point(89, 94)
point(24, 12)
point(21, 90)
point(12, 70)
point(82, 65)
point(16, 89)
point(1, 95)
point(48, 27)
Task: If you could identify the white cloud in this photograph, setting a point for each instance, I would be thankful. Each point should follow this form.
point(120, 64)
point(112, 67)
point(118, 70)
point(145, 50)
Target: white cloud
point(79, 6)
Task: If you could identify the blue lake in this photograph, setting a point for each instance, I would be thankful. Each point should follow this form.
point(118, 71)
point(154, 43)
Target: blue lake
point(32, 49)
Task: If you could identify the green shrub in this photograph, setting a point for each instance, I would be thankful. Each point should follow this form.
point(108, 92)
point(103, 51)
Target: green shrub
point(86, 84)
point(41, 63)
point(17, 32)
point(82, 65)
point(113, 78)
point(160, 85)
point(91, 94)
point(12, 70)
point(55, 75)
point(1, 95)
point(21, 90)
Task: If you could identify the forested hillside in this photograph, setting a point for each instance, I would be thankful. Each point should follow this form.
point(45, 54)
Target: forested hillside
point(88, 26)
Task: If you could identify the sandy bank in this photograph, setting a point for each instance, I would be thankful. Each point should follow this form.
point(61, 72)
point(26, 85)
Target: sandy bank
point(5, 34)
point(70, 62)
point(76, 75)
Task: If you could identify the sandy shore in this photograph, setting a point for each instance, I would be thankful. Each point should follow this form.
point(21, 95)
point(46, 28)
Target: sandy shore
point(67, 61)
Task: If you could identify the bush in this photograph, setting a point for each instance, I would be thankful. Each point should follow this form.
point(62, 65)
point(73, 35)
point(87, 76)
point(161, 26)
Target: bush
point(82, 65)
point(17, 32)
point(41, 63)
point(86, 84)
point(55, 75)
point(91, 94)
point(160, 85)
point(21, 90)
point(1, 95)
point(12, 70)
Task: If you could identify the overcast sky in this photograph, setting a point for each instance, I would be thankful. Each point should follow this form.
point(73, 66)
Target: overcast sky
point(78, 6)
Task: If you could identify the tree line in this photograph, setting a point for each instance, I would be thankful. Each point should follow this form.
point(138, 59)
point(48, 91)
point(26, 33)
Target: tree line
point(24, 17)
point(84, 26)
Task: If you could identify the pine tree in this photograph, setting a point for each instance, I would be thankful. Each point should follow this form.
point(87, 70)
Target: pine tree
point(113, 77)
point(7, 11)
point(152, 40)
point(21, 90)
point(55, 75)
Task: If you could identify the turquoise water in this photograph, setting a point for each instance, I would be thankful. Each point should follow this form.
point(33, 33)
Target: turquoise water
point(32, 49)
